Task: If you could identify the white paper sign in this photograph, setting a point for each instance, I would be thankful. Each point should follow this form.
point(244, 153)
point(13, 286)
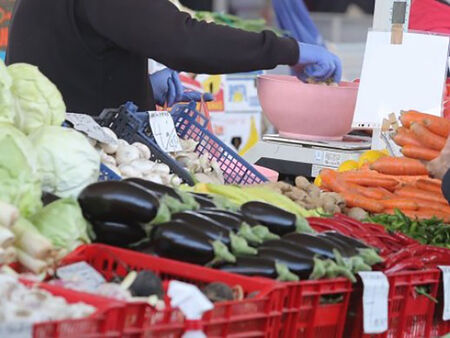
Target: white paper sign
point(83, 273)
point(401, 77)
point(375, 302)
point(164, 131)
point(16, 330)
point(87, 125)
point(446, 280)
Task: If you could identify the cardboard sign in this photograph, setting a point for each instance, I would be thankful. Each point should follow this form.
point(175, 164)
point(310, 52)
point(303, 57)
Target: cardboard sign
point(400, 77)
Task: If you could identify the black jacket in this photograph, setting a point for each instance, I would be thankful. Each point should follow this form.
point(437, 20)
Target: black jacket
point(96, 51)
point(446, 186)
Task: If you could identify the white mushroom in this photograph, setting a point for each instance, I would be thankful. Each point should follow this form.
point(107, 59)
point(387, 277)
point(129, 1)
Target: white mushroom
point(144, 151)
point(126, 154)
point(161, 168)
point(154, 178)
point(145, 167)
point(127, 170)
point(108, 160)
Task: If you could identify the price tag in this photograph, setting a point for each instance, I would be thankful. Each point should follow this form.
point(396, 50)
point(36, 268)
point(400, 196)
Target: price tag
point(446, 280)
point(81, 273)
point(375, 302)
point(87, 125)
point(16, 330)
point(164, 131)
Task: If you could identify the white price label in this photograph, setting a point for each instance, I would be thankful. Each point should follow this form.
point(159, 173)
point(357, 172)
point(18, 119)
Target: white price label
point(375, 302)
point(87, 125)
point(82, 273)
point(332, 159)
point(446, 280)
point(16, 330)
point(164, 131)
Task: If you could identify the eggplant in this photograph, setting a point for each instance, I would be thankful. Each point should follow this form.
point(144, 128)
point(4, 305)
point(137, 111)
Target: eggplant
point(251, 266)
point(302, 267)
point(231, 222)
point(288, 247)
point(346, 250)
point(260, 267)
point(213, 230)
point(157, 189)
point(177, 240)
point(277, 220)
point(349, 240)
point(319, 245)
point(117, 201)
point(198, 220)
point(48, 198)
point(235, 214)
point(118, 234)
point(203, 201)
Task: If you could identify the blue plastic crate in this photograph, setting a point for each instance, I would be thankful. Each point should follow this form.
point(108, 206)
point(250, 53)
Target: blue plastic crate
point(107, 174)
point(190, 124)
point(134, 126)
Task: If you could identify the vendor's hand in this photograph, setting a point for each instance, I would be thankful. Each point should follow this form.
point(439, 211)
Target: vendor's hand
point(318, 63)
point(168, 89)
point(440, 165)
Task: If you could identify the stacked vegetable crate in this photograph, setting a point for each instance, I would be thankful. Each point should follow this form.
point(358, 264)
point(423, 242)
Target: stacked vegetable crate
point(277, 310)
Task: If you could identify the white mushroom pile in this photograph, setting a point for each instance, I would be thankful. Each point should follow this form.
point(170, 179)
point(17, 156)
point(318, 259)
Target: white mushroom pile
point(133, 160)
point(204, 169)
point(19, 303)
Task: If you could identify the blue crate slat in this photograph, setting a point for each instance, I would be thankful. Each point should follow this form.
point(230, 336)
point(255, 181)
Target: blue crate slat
point(107, 174)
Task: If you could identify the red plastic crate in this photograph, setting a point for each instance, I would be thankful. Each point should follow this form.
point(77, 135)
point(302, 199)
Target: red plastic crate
point(440, 327)
point(306, 316)
point(410, 314)
point(259, 316)
point(100, 324)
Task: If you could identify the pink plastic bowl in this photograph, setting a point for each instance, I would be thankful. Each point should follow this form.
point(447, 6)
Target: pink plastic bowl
point(306, 111)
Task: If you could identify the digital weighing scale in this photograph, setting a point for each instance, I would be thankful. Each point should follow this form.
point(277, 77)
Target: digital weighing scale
point(292, 158)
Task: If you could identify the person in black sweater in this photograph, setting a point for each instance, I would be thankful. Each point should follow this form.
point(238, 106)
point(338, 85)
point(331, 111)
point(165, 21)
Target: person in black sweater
point(96, 51)
point(440, 168)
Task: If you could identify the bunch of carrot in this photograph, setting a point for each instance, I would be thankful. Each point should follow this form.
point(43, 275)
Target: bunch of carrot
point(422, 136)
point(390, 183)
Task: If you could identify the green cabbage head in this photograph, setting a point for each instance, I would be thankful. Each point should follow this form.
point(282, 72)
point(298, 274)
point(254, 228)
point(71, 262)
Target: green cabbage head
point(67, 163)
point(37, 102)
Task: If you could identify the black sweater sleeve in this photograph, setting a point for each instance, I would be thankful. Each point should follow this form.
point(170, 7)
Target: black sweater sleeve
point(158, 30)
point(446, 185)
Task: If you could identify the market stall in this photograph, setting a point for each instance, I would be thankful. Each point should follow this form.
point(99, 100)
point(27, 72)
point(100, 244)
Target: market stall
point(145, 224)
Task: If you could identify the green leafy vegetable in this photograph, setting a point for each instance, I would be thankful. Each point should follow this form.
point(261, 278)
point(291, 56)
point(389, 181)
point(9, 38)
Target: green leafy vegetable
point(36, 100)
point(67, 162)
point(63, 224)
point(6, 110)
point(19, 178)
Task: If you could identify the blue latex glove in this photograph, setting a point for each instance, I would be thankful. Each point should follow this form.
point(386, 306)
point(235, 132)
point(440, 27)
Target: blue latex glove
point(168, 89)
point(318, 63)
point(293, 17)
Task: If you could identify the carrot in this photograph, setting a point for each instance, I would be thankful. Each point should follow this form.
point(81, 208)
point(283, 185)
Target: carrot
point(437, 125)
point(419, 153)
point(387, 193)
point(355, 200)
point(372, 193)
point(330, 180)
point(414, 193)
point(405, 137)
point(429, 185)
point(410, 116)
point(373, 182)
point(409, 179)
point(402, 204)
point(427, 205)
point(399, 166)
point(427, 138)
